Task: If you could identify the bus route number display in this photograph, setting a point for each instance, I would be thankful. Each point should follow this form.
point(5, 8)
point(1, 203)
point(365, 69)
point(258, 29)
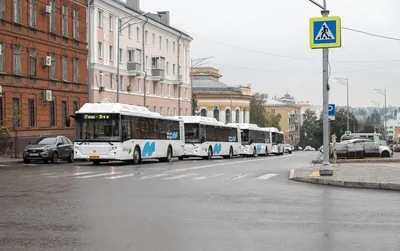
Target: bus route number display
point(97, 116)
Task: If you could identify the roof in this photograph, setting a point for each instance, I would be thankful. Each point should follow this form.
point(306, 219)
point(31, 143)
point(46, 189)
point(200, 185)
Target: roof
point(204, 120)
point(212, 86)
point(249, 126)
point(275, 103)
point(273, 129)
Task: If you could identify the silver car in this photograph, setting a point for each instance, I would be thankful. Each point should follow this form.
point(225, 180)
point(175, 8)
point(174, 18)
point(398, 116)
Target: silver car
point(360, 148)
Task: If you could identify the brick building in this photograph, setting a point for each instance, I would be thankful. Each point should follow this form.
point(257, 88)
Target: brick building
point(43, 66)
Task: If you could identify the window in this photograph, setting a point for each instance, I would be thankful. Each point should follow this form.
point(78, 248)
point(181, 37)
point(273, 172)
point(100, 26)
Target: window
point(101, 79)
point(135, 56)
point(111, 53)
point(139, 86)
point(237, 116)
point(111, 80)
point(228, 116)
point(17, 11)
point(138, 34)
point(173, 69)
point(120, 56)
point(174, 111)
point(174, 91)
point(154, 108)
point(53, 66)
point(161, 89)
point(173, 47)
point(121, 82)
point(16, 113)
point(167, 68)
point(31, 112)
point(147, 62)
point(76, 24)
point(166, 44)
point(161, 111)
point(147, 87)
point(53, 16)
point(100, 49)
point(158, 63)
point(186, 93)
point(187, 114)
point(154, 39)
point(129, 31)
point(52, 114)
point(75, 107)
point(2, 9)
point(203, 112)
point(146, 37)
point(111, 22)
point(154, 87)
point(160, 42)
point(131, 82)
point(64, 12)
point(273, 111)
point(32, 13)
point(100, 19)
point(76, 70)
point(1, 111)
point(17, 59)
point(216, 114)
point(32, 62)
point(169, 90)
point(168, 111)
point(1, 57)
point(64, 68)
point(64, 112)
point(244, 115)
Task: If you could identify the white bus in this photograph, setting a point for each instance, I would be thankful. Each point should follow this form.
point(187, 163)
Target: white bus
point(206, 137)
point(255, 140)
point(278, 141)
point(119, 132)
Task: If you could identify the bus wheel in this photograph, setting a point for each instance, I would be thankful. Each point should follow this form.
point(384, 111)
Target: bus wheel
point(230, 154)
point(136, 156)
point(180, 158)
point(169, 156)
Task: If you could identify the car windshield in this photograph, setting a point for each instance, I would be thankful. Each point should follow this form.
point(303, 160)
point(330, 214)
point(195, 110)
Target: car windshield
point(45, 141)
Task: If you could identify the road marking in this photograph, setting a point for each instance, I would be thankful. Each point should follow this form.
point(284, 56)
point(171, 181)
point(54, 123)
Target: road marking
point(180, 176)
point(48, 174)
point(153, 176)
point(266, 176)
point(314, 174)
point(208, 176)
point(96, 175)
point(4, 165)
point(69, 175)
point(227, 163)
point(238, 176)
point(123, 176)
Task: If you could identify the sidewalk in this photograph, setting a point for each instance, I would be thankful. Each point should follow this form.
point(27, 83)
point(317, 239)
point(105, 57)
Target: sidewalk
point(366, 175)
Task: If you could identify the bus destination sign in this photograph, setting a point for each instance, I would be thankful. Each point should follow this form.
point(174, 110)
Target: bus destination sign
point(96, 116)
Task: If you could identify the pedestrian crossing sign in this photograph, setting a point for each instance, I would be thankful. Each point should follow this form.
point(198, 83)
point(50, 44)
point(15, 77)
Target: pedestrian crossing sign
point(325, 32)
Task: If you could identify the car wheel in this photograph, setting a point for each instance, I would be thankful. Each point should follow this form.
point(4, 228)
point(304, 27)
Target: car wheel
point(71, 157)
point(54, 158)
point(136, 156)
point(385, 154)
point(27, 161)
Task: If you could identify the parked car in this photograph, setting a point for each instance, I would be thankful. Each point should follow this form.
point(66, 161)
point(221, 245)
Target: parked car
point(309, 148)
point(289, 149)
point(49, 149)
point(396, 148)
point(361, 148)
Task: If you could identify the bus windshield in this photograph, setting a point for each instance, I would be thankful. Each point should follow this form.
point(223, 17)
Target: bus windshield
point(97, 127)
point(192, 133)
point(245, 136)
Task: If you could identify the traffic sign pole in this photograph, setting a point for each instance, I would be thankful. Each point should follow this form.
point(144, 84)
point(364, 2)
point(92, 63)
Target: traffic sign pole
point(326, 167)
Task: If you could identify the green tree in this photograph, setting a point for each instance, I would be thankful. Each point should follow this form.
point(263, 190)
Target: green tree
point(258, 114)
point(339, 125)
point(273, 120)
point(311, 130)
point(194, 105)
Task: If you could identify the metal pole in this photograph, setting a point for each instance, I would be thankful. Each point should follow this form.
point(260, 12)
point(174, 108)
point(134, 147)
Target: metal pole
point(89, 74)
point(326, 168)
point(348, 109)
point(231, 106)
point(118, 56)
point(385, 115)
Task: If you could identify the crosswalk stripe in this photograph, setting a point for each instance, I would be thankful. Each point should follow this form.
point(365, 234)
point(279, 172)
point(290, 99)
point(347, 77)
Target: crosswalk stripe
point(266, 176)
point(180, 176)
point(96, 175)
point(235, 177)
point(122, 176)
point(208, 176)
point(153, 176)
point(69, 175)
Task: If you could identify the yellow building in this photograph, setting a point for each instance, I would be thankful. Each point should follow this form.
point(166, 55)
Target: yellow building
point(396, 132)
point(218, 100)
point(290, 118)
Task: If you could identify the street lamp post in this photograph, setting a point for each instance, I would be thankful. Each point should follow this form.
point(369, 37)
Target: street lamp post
point(378, 104)
point(121, 27)
point(195, 63)
point(345, 82)
point(383, 93)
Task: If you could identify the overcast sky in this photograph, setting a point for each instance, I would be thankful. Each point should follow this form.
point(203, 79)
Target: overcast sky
point(282, 27)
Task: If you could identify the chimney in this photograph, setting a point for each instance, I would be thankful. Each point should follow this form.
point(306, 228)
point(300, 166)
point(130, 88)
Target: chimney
point(133, 4)
point(164, 17)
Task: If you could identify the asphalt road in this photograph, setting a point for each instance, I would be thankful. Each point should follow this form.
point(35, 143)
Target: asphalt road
point(238, 204)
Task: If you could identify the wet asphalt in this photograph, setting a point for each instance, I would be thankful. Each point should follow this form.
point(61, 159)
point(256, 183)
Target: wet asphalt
point(236, 204)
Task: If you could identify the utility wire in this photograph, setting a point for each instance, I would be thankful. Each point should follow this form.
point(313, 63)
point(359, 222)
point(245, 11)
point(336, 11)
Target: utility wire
point(371, 34)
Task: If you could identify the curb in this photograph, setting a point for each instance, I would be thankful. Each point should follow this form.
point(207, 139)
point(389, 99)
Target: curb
point(342, 183)
point(344, 161)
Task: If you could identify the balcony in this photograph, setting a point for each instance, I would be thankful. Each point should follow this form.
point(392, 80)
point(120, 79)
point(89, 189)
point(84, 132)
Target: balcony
point(158, 68)
point(134, 68)
point(177, 79)
point(158, 74)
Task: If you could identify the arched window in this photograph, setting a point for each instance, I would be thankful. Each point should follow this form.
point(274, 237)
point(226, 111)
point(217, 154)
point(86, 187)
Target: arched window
point(237, 116)
point(203, 112)
point(244, 115)
point(216, 114)
point(228, 116)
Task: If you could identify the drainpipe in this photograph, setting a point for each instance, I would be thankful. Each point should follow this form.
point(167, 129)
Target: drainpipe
point(89, 73)
point(144, 63)
point(179, 80)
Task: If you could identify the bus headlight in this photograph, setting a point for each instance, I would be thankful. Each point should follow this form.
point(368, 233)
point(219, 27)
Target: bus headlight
point(113, 147)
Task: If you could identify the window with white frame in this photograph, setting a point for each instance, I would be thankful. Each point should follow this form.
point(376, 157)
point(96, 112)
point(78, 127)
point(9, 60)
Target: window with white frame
point(154, 39)
point(17, 11)
point(173, 47)
point(111, 22)
point(111, 80)
point(76, 24)
point(147, 87)
point(100, 19)
point(101, 79)
point(100, 49)
point(111, 53)
point(186, 93)
point(32, 13)
point(160, 42)
point(76, 70)
point(53, 66)
point(168, 111)
point(64, 27)
point(138, 34)
point(147, 62)
point(167, 68)
point(154, 87)
point(131, 82)
point(166, 44)
point(129, 31)
point(158, 63)
point(17, 59)
point(32, 62)
point(161, 89)
point(139, 85)
point(65, 68)
point(121, 82)
point(175, 91)
point(161, 111)
point(169, 90)
point(146, 37)
point(174, 111)
point(173, 69)
point(120, 55)
point(53, 16)
point(135, 55)
point(1, 57)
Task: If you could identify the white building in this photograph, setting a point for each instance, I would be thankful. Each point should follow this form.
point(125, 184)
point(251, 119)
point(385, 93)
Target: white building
point(154, 58)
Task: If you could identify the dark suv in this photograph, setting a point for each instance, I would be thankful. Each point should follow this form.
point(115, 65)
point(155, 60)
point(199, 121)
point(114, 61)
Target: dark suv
point(49, 149)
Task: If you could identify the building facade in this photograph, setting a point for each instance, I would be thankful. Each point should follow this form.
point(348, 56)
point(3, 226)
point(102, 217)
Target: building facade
point(153, 62)
point(217, 100)
point(43, 66)
point(290, 118)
